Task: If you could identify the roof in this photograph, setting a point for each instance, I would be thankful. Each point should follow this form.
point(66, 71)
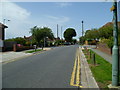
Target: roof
point(3, 26)
point(111, 24)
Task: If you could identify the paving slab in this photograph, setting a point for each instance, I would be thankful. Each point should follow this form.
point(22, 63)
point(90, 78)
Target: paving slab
point(87, 79)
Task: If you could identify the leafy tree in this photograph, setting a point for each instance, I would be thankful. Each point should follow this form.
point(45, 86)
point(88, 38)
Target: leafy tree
point(69, 34)
point(106, 32)
point(74, 41)
point(39, 34)
point(92, 34)
point(82, 39)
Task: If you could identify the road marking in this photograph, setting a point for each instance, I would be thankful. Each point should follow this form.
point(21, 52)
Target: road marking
point(73, 74)
point(75, 77)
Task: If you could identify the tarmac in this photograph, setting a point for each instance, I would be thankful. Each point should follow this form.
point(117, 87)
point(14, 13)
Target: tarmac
point(86, 78)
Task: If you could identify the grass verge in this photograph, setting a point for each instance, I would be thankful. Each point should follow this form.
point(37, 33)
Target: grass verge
point(31, 51)
point(102, 71)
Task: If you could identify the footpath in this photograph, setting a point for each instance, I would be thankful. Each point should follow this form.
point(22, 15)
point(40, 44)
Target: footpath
point(107, 57)
point(12, 56)
point(87, 79)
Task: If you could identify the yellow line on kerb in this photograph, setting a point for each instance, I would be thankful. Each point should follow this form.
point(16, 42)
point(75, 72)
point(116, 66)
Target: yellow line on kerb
point(73, 74)
point(76, 72)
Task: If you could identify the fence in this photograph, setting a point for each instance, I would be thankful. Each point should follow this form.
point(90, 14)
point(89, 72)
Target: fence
point(8, 45)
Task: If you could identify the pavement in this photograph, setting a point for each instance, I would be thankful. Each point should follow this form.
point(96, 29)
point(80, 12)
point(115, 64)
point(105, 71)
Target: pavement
point(12, 56)
point(87, 79)
point(107, 57)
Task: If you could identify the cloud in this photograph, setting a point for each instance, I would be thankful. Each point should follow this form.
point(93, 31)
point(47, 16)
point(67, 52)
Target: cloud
point(60, 20)
point(21, 20)
point(63, 4)
point(13, 11)
point(18, 16)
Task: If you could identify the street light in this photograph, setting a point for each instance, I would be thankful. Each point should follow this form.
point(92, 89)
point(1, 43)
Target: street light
point(4, 20)
point(57, 31)
point(61, 32)
point(82, 32)
point(115, 49)
point(82, 29)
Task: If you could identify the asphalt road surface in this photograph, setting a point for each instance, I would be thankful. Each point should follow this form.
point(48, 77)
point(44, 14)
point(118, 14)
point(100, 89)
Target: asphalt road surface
point(50, 69)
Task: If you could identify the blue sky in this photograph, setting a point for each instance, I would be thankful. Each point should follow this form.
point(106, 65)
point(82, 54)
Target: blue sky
point(25, 15)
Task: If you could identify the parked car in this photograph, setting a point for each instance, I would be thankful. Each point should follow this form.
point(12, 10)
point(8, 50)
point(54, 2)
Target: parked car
point(67, 43)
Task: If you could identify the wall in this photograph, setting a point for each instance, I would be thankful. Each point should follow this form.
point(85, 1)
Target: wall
point(8, 45)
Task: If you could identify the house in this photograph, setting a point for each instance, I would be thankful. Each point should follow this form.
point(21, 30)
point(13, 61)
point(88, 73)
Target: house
point(2, 36)
point(2, 31)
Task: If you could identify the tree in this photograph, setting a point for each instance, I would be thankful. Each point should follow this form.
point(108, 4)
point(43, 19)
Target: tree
point(39, 34)
point(18, 40)
point(92, 34)
point(69, 34)
point(74, 41)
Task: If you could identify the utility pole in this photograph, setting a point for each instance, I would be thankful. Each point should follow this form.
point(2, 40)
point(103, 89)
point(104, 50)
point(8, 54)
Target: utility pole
point(57, 30)
point(115, 49)
point(61, 32)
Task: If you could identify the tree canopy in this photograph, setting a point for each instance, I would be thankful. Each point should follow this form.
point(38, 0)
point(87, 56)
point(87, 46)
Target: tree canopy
point(103, 33)
point(69, 34)
point(39, 34)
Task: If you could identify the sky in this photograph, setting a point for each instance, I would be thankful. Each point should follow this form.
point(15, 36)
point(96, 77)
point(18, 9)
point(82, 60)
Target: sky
point(25, 15)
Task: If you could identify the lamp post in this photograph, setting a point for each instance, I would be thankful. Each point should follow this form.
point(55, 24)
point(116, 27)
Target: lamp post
point(82, 31)
point(5, 20)
point(61, 35)
point(115, 49)
point(57, 31)
point(61, 32)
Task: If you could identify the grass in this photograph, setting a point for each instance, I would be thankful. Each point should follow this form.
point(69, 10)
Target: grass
point(31, 51)
point(102, 71)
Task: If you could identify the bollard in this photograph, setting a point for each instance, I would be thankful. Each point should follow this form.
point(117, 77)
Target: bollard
point(90, 53)
point(89, 56)
point(93, 58)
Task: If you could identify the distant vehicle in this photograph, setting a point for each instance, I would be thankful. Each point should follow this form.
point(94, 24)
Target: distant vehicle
point(67, 43)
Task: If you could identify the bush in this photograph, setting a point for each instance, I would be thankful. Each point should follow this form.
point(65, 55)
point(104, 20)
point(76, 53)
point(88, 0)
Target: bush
point(110, 42)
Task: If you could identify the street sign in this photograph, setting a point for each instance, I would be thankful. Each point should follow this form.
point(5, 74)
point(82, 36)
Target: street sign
point(112, 8)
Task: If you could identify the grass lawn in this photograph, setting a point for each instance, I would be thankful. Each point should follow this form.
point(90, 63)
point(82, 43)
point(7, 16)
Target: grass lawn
point(102, 71)
point(31, 51)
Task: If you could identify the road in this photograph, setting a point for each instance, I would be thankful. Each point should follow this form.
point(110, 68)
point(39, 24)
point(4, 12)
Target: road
point(50, 69)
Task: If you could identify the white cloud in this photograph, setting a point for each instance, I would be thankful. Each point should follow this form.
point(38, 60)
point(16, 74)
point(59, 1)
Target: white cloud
point(63, 4)
point(19, 17)
point(60, 20)
point(13, 11)
point(21, 20)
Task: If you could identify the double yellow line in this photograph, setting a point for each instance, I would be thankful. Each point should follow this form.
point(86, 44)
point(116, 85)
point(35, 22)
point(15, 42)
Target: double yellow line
point(75, 77)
